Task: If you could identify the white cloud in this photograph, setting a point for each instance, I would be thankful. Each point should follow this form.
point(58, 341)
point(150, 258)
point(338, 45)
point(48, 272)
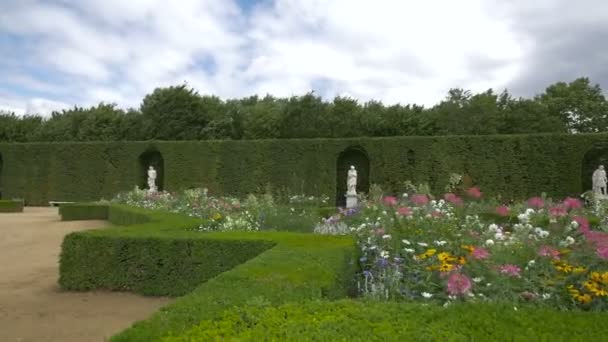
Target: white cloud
point(390, 50)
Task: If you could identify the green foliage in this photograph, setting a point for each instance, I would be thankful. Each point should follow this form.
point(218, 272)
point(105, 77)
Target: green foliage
point(353, 320)
point(514, 166)
point(11, 206)
point(180, 113)
point(83, 211)
point(164, 257)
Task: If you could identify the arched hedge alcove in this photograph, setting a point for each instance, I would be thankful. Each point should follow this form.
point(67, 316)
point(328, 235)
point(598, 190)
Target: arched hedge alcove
point(151, 157)
point(356, 156)
point(598, 155)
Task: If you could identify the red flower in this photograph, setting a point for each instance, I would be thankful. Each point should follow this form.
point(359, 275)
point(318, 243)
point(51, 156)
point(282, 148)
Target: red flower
point(536, 202)
point(454, 199)
point(572, 203)
point(420, 199)
point(390, 200)
point(558, 211)
point(502, 210)
point(458, 284)
point(404, 211)
point(474, 192)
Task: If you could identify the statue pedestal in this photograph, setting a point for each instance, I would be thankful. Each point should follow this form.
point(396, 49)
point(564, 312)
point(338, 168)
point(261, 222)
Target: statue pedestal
point(351, 200)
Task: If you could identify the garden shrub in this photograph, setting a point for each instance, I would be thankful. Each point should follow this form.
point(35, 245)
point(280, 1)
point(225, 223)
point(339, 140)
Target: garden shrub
point(164, 256)
point(83, 211)
point(11, 206)
point(514, 166)
point(356, 320)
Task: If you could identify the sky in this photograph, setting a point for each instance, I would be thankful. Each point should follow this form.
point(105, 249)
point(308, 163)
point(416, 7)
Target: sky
point(55, 54)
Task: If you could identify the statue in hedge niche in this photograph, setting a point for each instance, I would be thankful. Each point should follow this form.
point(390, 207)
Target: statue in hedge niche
point(599, 181)
point(351, 188)
point(152, 179)
point(351, 181)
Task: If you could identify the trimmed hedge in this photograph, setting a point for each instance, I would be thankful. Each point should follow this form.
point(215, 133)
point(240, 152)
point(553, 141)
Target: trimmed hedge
point(11, 206)
point(353, 320)
point(215, 271)
point(79, 211)
point(514, 166)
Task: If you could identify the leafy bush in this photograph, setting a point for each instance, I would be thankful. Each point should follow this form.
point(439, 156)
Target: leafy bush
point(515, 166)
point(353, 320)
point(163, 256)
point(81, 211)
point(11, 206)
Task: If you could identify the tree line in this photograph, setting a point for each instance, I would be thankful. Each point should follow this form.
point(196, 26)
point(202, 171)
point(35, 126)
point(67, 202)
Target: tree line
point(180, 113)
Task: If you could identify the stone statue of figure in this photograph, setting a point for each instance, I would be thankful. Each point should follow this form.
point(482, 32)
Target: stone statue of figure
point(152, 179)
point(351, 181)
point(599, 181)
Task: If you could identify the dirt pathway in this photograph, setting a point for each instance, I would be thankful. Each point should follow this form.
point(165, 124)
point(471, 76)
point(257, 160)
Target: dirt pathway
point(33, 307)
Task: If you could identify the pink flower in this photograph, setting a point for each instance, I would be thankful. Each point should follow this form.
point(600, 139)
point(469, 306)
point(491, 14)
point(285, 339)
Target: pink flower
point(602, 252)
point(510, 270)
point(536, 202)
point(458, 284)
point(436, 214)
point(480, 253)
point(474, 192)
point(454, 199)
point(419, 199)
point(547, 251)
point(572, 203)
point(404, 211)
point(558, 211)
point(502, 210)
point(390, 200)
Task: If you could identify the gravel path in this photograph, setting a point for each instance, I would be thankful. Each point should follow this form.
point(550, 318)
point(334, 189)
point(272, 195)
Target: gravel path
point(33, 307)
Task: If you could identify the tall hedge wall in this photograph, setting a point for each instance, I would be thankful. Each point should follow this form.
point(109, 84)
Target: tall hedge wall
point(514, 166)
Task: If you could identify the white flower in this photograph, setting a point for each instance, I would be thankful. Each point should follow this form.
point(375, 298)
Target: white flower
point(498, 236)
point(433, 202)
point(574, 225)
point(477, 279)
point(515, 308)
point(406, 242)
point(546, 295)
point(538, 231)
point(384, 254)
point(386, 236)
point(440, 243)
point(405, 195)
point(489, 242)
point(426, 295)
point(384, 212)
point(544, 234)
point(518, 226)
point(529, 211)
point(423, 244)
point(570, 240)
point(493, 227)
point(531, 263)
point(409, 250)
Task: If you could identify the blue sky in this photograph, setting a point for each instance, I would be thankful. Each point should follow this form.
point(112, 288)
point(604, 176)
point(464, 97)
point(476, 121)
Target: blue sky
point(61, 53)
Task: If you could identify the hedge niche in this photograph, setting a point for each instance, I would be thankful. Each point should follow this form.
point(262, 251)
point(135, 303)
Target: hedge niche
point(157, 253)
point(152, 157)
point(513, 166)
point(357, 157)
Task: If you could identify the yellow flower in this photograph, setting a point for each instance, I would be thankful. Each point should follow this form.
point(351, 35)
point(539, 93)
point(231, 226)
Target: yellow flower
point(445, 267)
point(596, 276)
point(469, 248)
point(578, 269)
point(432, 268)
point(583, 299)
point(462, 260)
point(599, 292)
point(605, 278)
point(443, 256)
point(590, 285)
point(430, 252)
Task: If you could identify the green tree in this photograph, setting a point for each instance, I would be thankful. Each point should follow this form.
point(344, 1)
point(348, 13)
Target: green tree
point(580, 105)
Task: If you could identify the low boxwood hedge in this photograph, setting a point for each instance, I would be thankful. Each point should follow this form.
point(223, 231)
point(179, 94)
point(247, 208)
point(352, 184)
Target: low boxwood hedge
point(11, 206)
point(159, 254)
point(357, 320)
point(83, 211)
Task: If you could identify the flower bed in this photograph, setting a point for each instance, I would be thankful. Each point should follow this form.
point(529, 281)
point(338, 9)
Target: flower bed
point(467, 249)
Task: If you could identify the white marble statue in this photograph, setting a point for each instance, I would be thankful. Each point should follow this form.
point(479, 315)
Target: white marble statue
point(152, 180)
point(351, 188)
point(599, 181)
point(351, 181)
